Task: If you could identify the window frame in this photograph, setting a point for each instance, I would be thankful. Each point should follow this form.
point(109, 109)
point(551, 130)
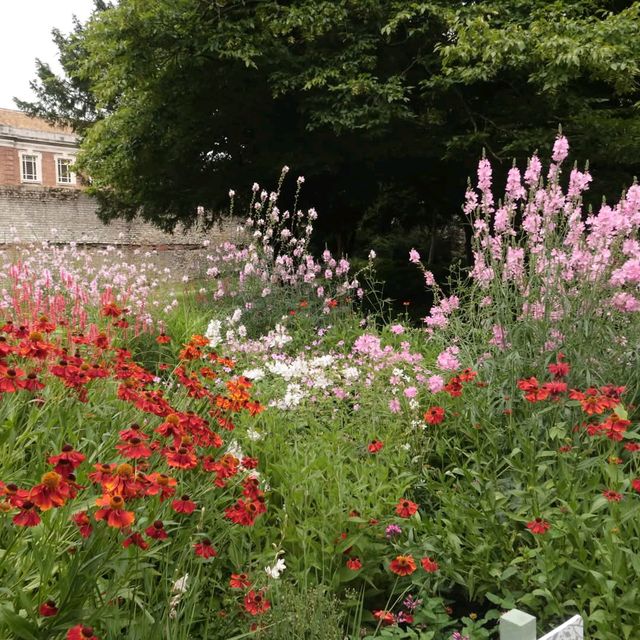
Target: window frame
point(38, 167)
point(72, 175)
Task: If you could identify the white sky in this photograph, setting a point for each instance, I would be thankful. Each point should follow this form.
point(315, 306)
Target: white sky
point(25, 34)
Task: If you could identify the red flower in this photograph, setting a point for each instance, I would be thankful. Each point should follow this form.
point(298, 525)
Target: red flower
point(405, 508)
point(114, 513)
point(612, 496)
point(559, 369)
point(103, 473)
point(53, 491)
point(636, 484)
point(181, 458)
point(163, 338)
point(354, 564)
point(467, 375)
point(48, 609)
point(434, 415)
point(239, 581)
point(157, 531)
point(256, 603)
point(159, 483)
point(184, 505)
point(67, 461)
point(429, 565)
point(554, 389)
point(111, 310)
point(136, 539)
point(375, 446)
point(205, 549)
point(81, 520)
point(454, 387)
point(532, 389)
point(134, 449)
point(249, 463)
point(385, 617)
point(27, 516)
point(31, 383)
point(614, 427)
point(80, 632)
point(632, 446)
point(538, 526)
point(245, 512)
point(403, 565)
point(125, 482)
point(591, 402)
point(10, 379)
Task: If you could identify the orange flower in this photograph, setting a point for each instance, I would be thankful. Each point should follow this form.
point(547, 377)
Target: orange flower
point(434, 415)
point(114, 514)
point(403, 565)
point(405, 508)
point(239, 581)
point(53, 491)
point(429, 565)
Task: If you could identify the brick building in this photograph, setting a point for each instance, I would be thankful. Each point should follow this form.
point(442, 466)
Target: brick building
point(33, 152)
point(42, 199)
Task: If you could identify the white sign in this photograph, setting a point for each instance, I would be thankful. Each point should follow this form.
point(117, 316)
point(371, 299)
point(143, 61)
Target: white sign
point(571, 630)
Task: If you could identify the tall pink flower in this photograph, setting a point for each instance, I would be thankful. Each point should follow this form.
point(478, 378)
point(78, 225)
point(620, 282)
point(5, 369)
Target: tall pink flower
point(560, 149)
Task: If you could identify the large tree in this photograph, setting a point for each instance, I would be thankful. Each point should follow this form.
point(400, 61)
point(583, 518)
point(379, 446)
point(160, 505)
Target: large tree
point(384, 105)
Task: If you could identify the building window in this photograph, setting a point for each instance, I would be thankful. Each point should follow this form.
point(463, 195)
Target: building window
point(63, 171)
point(30, 168)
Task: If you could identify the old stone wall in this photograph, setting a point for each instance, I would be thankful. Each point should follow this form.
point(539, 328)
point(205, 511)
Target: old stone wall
point(35, 214)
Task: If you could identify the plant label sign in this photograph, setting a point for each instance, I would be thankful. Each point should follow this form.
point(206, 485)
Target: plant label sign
point(571, 630)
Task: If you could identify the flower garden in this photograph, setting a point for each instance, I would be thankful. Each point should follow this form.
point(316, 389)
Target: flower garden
point(268, 453)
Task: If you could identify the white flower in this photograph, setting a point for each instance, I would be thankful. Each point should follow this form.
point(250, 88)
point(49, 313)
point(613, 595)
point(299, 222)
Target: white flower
point(254, 374)
point(235, 450)
point(372, 255)
point(253, 435)
point(275, 571)
point(213, 333)
point(179, 587)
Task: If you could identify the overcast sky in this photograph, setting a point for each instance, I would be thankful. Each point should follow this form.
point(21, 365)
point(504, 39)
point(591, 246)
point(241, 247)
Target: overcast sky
point(25, 34)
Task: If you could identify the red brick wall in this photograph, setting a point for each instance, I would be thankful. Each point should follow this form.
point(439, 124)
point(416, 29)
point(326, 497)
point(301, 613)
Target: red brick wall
point(9, 166)
point(10, 170)
point(48, 169)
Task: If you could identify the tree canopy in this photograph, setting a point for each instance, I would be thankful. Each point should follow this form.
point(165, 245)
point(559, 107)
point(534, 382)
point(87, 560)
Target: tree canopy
point(384, 105)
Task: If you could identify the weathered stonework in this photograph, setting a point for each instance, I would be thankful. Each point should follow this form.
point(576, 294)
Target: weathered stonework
point(46, 209)
point(35, 214)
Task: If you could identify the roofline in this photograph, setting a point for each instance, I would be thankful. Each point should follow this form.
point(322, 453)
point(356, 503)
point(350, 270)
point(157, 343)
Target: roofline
point(32, 135)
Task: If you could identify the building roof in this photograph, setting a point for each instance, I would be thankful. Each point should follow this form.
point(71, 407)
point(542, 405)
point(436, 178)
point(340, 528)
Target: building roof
point(19, 120)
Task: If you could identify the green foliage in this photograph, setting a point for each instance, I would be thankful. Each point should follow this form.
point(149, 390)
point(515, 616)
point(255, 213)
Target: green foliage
point(309, 614)
point(365, 97)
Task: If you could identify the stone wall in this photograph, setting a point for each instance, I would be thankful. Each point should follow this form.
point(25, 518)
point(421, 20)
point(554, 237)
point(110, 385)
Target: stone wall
point(35, 214)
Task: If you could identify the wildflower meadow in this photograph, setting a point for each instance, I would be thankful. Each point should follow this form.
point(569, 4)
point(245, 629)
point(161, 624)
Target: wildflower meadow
point(269, 451)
